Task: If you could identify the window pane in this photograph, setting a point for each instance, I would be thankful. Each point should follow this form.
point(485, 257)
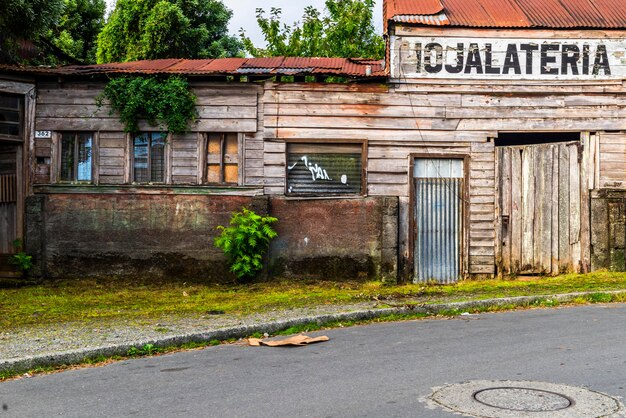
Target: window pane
point(9, 129)
point(140, 158)
point(10, 102)
point(324, 169)
point(231, 158)
point(84, 157)
point(67, 157)
point(10, 115)
point(223, 158)
point(157, 157)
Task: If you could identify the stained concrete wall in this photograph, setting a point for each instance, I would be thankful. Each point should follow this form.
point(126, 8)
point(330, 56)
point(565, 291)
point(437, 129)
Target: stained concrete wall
point(335, 238)
point(74, 235)
point(608, 232)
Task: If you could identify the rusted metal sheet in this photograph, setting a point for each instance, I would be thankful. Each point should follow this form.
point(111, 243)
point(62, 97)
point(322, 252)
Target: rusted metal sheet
point(430, 20)
point(512, 13)
point(405, 7)
point(438, 220)
point(356, 67)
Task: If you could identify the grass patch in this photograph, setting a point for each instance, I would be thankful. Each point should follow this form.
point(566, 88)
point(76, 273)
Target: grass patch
point(151, 350)
point(98, 301)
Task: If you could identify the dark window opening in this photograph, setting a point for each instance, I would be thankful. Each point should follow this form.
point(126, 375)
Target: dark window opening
point(530, 138)
point(324, 169)
point(11, 116)
point(149, 158)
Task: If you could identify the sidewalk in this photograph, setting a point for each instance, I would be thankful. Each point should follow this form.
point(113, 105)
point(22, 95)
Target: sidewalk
point(72, 343)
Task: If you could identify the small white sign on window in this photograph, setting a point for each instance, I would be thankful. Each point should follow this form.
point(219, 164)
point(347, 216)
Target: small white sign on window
point(43, 134)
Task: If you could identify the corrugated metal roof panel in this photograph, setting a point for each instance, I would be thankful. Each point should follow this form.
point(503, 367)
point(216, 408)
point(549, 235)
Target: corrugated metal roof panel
point(305, 62)
point(225, 66)
point(609, 14)
point(413, 7)
point(269, 62)
point(189, 65)
point(431, 20)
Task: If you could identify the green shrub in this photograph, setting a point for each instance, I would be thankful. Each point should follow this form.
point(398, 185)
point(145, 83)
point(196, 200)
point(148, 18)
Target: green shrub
point(22, 261)
point(245, 241)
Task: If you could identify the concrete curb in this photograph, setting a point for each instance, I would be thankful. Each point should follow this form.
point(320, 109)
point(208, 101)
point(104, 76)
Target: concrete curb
point(78, 356)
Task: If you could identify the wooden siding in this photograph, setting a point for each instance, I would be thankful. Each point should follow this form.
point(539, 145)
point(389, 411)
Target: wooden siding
point(612, 160)
point(222, 107)
point(443, 118)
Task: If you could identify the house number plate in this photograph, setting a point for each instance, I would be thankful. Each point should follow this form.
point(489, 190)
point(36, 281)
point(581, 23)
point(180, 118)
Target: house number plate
point(43, 134)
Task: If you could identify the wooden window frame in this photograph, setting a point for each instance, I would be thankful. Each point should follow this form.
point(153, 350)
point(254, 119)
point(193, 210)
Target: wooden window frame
point(167, 159)
point(20, 123)
point(203, 162)
point(55, 157)
point(338, 141)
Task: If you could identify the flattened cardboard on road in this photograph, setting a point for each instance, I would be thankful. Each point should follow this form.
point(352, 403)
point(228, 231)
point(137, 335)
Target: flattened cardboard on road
point(297, 340)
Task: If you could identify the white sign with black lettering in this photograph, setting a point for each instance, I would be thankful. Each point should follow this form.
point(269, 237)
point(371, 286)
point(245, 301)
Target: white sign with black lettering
point(492, 58)
point(43, 134)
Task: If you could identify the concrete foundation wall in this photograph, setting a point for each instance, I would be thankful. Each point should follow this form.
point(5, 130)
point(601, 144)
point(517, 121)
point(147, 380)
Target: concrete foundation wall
point(335, 238)
point(76, 235)
point(608, 232)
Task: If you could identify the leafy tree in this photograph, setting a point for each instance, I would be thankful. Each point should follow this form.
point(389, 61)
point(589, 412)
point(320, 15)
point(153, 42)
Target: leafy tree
point(152, 29)
point(54, 31)
point(345, 29)
point(25, 20)
point(78, 29)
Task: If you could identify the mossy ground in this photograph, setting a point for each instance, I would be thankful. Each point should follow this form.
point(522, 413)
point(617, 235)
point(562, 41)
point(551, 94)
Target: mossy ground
point(114, 299)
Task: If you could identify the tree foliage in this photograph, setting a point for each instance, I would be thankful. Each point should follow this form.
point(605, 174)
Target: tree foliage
point(22, 20)
point(50, 32)
point(153, 29)
point(78, 28)
point(245, 241)
point(344, 29)
point(163, 102)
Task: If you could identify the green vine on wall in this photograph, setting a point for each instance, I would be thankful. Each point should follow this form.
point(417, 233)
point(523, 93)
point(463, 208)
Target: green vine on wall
point(164, 102)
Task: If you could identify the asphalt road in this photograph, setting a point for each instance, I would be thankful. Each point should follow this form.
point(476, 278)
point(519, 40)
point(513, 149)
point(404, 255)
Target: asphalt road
point(379, 370)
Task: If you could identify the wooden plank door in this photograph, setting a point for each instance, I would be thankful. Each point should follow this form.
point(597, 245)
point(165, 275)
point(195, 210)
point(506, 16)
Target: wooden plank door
point(8, 198)
point(539, 208)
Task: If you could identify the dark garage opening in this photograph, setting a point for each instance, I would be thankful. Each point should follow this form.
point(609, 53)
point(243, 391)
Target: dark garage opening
point(530, 138)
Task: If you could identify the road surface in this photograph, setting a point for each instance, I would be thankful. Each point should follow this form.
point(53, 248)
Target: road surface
point(378, 370)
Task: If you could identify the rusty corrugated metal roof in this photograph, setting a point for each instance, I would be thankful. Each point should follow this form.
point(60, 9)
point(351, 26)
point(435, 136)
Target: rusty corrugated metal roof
point(561, 14)
point(357, 67)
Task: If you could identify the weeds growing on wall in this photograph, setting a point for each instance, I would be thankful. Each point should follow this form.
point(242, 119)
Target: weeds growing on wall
point(245, 241)
point(164, 102)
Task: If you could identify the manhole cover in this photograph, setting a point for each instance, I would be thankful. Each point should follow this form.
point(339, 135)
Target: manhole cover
point(515, 399)
point(523, 399)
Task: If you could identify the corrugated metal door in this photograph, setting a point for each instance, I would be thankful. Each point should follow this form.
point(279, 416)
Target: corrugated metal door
point(438, 219)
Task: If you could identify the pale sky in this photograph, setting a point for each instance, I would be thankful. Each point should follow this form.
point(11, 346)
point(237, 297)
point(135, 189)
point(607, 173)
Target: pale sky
point(244, 14)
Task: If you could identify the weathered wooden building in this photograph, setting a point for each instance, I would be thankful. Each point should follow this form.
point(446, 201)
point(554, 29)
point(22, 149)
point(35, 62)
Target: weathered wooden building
point(490, 141)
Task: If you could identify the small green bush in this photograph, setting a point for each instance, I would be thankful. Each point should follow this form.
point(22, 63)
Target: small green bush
point(22, 261)
point(245, 241)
